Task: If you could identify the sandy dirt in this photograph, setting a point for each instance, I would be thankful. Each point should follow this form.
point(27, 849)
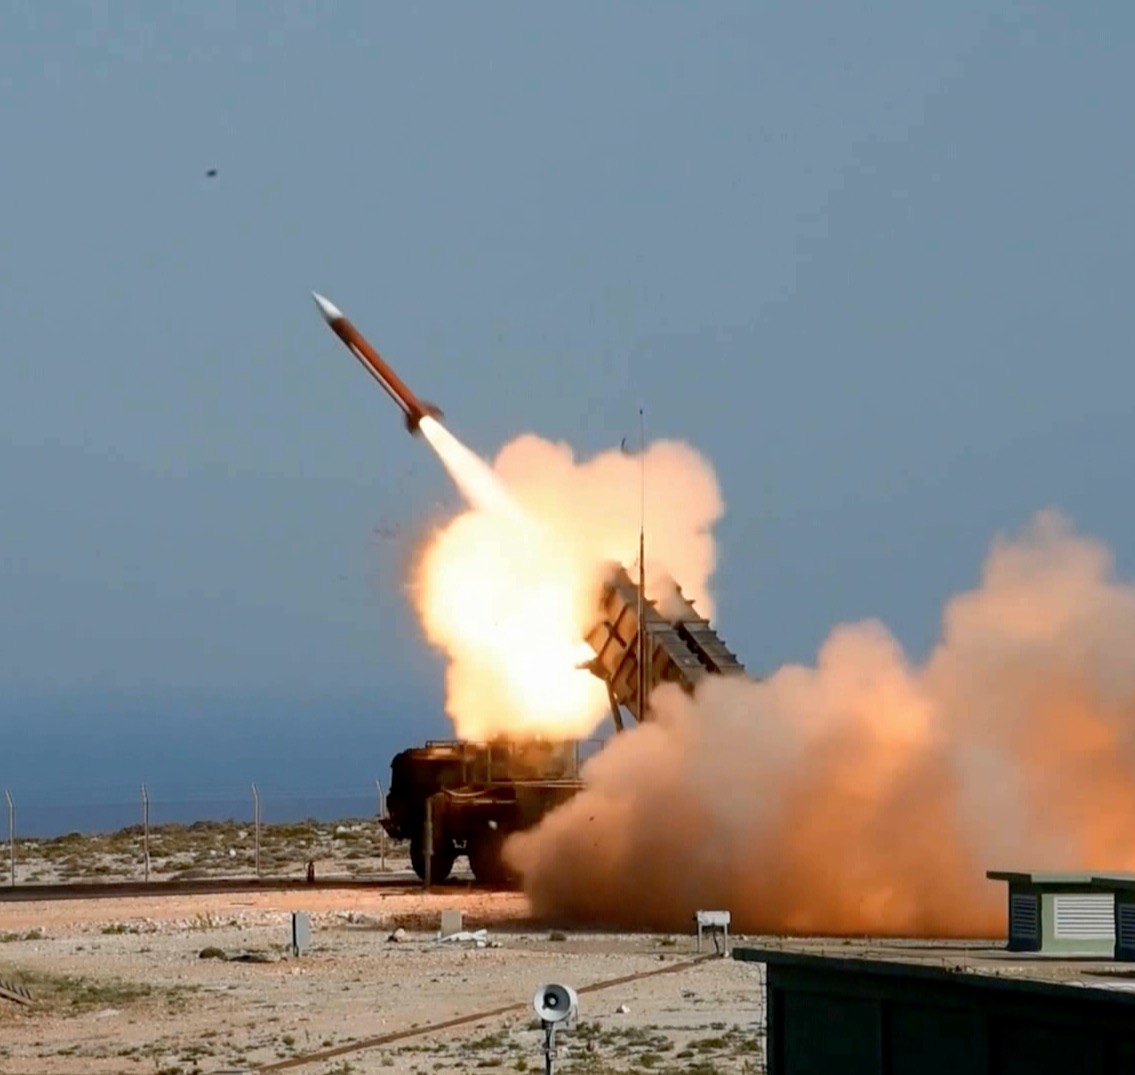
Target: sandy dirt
point(120, 986)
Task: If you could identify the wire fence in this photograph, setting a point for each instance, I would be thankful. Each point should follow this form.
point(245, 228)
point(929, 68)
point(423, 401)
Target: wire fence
point(195, 833)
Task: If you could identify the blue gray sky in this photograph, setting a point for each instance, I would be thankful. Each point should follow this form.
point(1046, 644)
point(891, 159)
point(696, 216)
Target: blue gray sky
point(872, 258)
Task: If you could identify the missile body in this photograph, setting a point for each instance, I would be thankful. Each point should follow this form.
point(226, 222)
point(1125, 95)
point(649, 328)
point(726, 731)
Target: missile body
point(413, 408)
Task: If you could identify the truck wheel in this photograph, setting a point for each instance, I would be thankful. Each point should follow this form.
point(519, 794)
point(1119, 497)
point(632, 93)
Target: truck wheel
point(486, 858)
point(440, 867)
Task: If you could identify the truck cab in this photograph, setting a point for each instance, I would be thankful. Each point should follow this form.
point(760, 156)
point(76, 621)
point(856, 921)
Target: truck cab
point(464, 798)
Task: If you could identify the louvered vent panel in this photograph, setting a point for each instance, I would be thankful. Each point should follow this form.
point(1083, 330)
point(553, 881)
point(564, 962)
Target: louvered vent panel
point(1024, 914)
point(1086, 917)
point(1126, 922)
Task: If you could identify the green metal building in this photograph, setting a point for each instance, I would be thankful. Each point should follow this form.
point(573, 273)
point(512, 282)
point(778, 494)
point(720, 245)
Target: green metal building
point(1067, 914)
point(941, 1009)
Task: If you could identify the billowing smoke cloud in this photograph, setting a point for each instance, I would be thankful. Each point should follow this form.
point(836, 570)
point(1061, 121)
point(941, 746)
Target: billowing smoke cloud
point(509, 588)
point(867, 794)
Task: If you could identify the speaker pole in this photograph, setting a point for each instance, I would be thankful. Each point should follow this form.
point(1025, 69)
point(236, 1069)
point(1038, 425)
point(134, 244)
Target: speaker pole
point(549, 1048)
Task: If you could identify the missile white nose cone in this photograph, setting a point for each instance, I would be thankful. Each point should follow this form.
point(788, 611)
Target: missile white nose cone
point(330, 311)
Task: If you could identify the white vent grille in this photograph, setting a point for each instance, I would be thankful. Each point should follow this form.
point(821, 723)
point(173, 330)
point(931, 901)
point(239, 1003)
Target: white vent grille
point(1084, 917)
point(1024, 914)
point(1125, 918)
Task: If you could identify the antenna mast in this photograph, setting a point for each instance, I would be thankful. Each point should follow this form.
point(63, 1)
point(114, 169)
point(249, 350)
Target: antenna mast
point(642, 677)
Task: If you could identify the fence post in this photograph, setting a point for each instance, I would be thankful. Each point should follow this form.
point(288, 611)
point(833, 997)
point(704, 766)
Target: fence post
point(146, 831)
point(381, 828)
point(256, 824)
point(11, 836)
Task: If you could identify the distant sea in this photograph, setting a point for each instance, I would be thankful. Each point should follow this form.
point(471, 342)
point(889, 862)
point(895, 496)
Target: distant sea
point(79, 768)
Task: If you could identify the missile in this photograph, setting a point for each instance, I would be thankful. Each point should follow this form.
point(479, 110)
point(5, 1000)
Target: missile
point(413, 408)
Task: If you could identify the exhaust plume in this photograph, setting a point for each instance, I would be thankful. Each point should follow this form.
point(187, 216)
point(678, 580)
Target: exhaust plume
point(473, 477)
point(867, 794)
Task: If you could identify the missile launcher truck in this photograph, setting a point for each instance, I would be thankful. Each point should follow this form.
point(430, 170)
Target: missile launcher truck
point(461, 798)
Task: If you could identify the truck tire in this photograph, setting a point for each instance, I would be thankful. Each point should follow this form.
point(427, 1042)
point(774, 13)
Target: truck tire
point(440, 867)
point(486, 858)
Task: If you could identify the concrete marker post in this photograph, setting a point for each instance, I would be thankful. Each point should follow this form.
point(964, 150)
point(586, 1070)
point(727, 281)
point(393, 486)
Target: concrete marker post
point(256, 825)
point(11, 836)
point(146, 833)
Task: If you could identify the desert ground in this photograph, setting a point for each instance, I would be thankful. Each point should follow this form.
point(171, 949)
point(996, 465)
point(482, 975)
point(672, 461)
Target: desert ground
point(209, 983)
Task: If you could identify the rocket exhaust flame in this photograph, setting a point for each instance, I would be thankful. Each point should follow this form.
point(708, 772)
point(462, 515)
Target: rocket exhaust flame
point(510, 588)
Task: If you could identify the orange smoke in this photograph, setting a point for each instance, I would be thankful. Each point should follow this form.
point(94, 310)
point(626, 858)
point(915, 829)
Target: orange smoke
point(867, 795)
point(509, 588)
